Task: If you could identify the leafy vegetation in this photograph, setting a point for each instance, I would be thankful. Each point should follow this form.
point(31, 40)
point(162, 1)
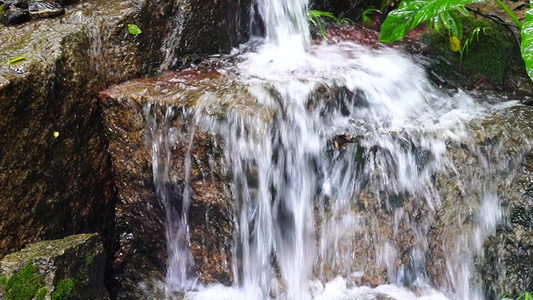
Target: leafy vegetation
point(473, 37)
point(411, 13)
point(134, 29)
point(315, 16)
point(522, 296)
point(490, 56)
point(527, 42)
point(365, 15)
point(447, 13)
point(525, 296)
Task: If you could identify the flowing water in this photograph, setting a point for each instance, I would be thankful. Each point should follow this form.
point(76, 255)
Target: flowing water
point(337, 179)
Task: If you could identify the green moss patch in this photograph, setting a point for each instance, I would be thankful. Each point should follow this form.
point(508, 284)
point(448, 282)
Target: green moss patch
point(64, 290)
point(25, 284)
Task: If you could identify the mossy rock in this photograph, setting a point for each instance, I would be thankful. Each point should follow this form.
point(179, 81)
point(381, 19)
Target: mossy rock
point(25, 284)
point(67, 269)
point(493, 60)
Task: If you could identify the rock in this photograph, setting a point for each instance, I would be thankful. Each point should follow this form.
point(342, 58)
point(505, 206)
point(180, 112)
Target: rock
point(140, 215)
point(54, 186)
point(44, 9)
point(508, 255)
point(69, 268)
point(393, 236)
point(201, 28)
point(15, 12)
point(20, 11)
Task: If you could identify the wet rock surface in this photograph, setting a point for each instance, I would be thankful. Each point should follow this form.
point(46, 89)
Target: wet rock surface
point(56, 174)
point(140, 215)
point(15, 12)
point(388, 224)
point(77, 261)
point(56, 177)
point(21, 11)
point(384, 221)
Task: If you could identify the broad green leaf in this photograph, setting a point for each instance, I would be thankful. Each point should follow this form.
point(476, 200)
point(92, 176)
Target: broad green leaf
point(134, 29)
point(1, 9)
point(437, 22)
point(16, 60)
point(463, 11)
point(411, 13)
point(453, 23)
point(459, 24)
point(527, 42)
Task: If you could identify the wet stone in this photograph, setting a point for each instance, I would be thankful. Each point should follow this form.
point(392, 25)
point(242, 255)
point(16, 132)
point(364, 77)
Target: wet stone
point(21, 11)
point(43, 9)
point(15, 12)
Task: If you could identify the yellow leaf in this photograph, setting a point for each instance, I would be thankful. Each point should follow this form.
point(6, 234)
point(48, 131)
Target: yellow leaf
point(56, 133)
point(455, 44)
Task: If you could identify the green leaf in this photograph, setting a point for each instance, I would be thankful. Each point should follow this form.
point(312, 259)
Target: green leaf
point(1, 9)
point(411, 13)
point(437, 21)
point(527, 42)
point(16, 60)
point(462, 10)
point(319, 13)
point(134, 29)
point(473, 37)
point(453, 23)
point(458, 23)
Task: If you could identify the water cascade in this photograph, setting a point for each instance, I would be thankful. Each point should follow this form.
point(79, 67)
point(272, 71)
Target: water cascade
point(340, 157)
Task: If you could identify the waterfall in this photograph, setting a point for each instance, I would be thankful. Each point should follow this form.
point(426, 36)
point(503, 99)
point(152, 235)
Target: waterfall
point(180, 261)
point(285, 21)
point(338, 174)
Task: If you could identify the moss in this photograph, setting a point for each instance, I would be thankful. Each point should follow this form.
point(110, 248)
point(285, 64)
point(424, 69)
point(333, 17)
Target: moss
point(41, 294)
point(64, 290)
point(24, 285)
point(88, 260)
point(490, 58)
point(3, 280)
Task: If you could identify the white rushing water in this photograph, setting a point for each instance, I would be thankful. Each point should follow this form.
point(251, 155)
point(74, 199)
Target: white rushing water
point(351, 127)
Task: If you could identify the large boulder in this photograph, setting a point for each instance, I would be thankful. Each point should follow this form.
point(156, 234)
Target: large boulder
point(56, 178)
point(56, 173)
point(384, 235)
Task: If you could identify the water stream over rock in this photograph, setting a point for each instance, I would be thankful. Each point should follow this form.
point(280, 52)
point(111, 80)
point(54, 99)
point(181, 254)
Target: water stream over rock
point(352, 177)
